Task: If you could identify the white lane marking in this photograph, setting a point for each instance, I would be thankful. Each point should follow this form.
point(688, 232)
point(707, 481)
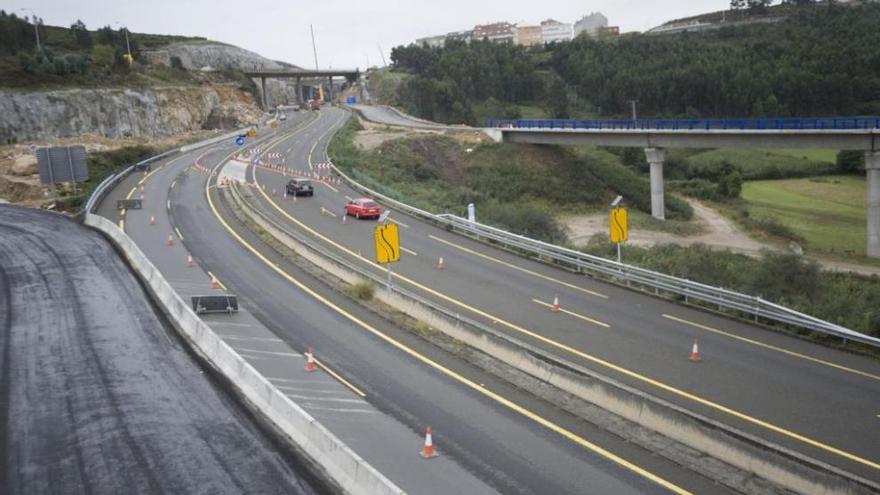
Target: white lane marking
point(331, 187)
point(326, 399)
point(269, 353)
point(410, 251)
point(248, 356)
point(338, 409)
point(290, 380)
point(348, 198)
point(399, 223)
point(173, 183)
point(251, 339)
point(314, 391)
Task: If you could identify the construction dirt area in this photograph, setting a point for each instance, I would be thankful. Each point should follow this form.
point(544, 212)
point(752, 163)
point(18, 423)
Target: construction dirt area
point(20, 182)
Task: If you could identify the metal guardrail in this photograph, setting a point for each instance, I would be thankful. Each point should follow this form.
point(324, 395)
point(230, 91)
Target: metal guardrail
point(781, 124)
point(636, 277)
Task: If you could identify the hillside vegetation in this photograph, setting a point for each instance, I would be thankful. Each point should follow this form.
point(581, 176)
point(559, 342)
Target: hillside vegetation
point(520, 187)
point(79, 57)
point(824, 59)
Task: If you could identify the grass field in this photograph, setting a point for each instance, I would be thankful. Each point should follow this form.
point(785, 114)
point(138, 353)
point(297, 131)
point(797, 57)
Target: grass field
point(763, 164)
point(829, 212)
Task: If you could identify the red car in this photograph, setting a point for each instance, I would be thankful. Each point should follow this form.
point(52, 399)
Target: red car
point(363, 208)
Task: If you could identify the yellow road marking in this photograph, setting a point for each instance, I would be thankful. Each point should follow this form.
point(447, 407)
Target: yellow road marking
point(339, 378)
point(448, 372)
point(178, 233)
point(410, 251)
point(576, 315)
point(168, 204)
point(774, 348)
point(122, 225)
point(594, 359)
point(131, 193)
point(515, 267)
point(218, 280)
point(173, 183)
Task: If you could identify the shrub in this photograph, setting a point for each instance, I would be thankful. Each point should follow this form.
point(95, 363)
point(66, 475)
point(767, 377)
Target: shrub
point(362, 290)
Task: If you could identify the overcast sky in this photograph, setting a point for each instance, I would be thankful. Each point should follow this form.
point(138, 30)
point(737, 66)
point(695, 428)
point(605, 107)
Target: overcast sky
point(348, 33)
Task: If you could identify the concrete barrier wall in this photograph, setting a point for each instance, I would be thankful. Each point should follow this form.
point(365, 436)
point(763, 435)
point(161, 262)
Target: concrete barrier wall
point(342, 465)
point(745, 451)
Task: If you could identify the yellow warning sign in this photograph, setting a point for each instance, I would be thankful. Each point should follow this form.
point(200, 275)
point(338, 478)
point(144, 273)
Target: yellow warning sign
point(274, 124)
point(252, 132)
point(387, 243)
point(619, 230)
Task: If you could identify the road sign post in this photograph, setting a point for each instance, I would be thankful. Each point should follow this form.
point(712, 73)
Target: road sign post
point(387, 240)
point(617, 226)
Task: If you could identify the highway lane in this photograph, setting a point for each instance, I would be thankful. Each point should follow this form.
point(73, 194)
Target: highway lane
point(96, 393)
point(385, 115)
point(759, 375)
point(514, 454)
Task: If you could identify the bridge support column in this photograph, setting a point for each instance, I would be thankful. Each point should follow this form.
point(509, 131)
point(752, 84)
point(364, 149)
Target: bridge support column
point(655, 157)
point(872, 167)
point(299, 92)
point(263, 88)
point(330, 89)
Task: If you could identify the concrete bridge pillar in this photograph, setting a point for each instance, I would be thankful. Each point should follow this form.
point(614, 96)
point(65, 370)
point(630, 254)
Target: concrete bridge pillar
point(299, 93)
point(872, 167)
point(655, 157)
point(263, 87)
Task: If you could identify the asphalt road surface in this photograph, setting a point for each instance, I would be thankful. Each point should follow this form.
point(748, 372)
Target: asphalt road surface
point(811, 398)
point(97, 395)
point(389, 116)
point(474, 427)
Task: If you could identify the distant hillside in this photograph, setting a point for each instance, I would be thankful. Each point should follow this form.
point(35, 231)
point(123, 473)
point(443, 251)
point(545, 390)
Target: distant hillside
point(823, 59)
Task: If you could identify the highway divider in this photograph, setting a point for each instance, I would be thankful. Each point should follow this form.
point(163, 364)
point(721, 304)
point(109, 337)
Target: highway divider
point(341, 464)
point(745, 451)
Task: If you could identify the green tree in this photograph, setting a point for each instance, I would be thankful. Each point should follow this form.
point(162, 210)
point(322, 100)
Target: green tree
point(850, 161)
point(81, 34)
point(730, 184)
point(103, 56)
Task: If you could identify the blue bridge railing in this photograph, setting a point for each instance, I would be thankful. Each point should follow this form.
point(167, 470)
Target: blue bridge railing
point(768, 124)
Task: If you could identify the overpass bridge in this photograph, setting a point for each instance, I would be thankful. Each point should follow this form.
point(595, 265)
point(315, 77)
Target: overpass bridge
point(299, 75)
point(655, 135)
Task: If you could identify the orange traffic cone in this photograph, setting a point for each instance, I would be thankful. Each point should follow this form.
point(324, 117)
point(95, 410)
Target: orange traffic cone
point(695, 352)
point(440, 264)
point(170, 239)
point(310, 361)
point(215, 284)
point(189, 261)
point(152, 220)
point(428, 450)
point(555, 306)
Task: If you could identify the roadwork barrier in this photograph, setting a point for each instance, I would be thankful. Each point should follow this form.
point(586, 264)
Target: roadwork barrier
point(745, 451)
point(341, 465)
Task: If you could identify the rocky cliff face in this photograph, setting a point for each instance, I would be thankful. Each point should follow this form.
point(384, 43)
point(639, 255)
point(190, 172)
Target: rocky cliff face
point(114, 113)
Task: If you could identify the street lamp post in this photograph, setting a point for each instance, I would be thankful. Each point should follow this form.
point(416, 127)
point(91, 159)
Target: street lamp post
point(127, 44)
point(36, 27)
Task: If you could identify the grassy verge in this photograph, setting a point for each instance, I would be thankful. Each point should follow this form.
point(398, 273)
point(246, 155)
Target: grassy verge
point(828, 213)
point(761, 164)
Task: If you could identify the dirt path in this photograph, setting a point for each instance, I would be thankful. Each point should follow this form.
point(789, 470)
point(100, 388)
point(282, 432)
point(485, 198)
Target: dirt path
point(719, 233)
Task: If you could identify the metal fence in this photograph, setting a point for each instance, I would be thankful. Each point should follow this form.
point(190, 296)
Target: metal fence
point(817, 124)
point(659, 283)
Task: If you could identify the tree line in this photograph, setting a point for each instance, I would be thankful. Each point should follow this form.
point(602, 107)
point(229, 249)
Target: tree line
point(823, 59)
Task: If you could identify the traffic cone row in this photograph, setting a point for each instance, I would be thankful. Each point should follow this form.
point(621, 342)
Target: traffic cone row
point(170, 239)
point(440, 264)
point(189, 261)
point(555, 306)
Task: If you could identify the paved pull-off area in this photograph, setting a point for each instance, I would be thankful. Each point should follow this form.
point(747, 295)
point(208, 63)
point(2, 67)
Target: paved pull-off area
point(96, 393)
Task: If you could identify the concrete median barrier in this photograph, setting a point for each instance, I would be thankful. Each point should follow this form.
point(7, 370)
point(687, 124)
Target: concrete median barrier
point(341, 464)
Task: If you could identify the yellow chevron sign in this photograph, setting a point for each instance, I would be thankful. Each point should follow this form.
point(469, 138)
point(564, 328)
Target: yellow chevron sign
point(387, 243)
point(619, 230)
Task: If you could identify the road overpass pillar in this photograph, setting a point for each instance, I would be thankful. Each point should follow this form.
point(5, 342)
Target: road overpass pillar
point(872, 167)
point(655, 157)
point(299, 91)
point(263, 87)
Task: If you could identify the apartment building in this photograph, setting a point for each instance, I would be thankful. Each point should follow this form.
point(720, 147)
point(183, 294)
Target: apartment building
point(529, 35)
point(498, 32)
point(553, 30)
point(589, 25)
